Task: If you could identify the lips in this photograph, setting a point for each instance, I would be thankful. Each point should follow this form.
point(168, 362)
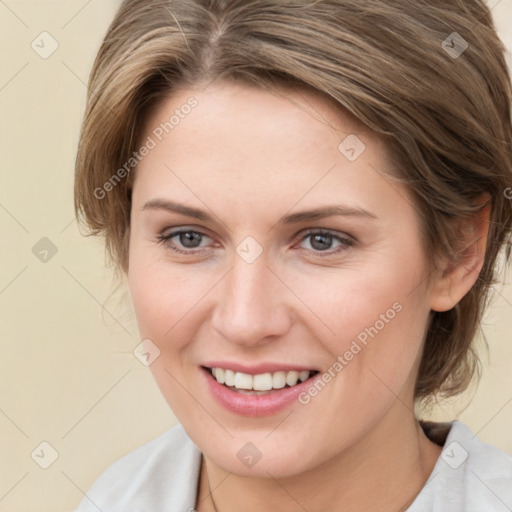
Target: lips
point(255, 403)
point(257, 369)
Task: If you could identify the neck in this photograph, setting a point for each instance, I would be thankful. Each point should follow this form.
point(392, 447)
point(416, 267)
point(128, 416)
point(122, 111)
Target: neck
point(384, 471)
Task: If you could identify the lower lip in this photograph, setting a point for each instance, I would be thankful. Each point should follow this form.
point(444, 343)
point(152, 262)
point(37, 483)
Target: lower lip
point(255, 405)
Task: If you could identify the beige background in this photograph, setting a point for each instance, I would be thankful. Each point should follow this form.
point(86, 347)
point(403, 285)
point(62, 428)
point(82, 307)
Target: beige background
point(67, 372)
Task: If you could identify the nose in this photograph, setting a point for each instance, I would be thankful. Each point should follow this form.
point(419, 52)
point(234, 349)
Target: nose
point(251, 306)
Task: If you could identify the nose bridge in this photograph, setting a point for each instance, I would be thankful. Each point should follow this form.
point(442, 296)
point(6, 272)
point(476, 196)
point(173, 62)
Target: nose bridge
point(250, 305)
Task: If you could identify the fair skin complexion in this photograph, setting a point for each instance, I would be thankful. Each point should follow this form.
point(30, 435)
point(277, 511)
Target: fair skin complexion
point(248, 158)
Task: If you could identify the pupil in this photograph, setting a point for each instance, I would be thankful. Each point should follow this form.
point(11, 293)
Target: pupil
point(190, 239)
point(324, 241)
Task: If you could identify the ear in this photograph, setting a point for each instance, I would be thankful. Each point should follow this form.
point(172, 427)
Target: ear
point(457, 277)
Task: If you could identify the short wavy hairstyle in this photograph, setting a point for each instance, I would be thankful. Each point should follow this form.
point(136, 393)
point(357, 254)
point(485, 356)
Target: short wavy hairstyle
point(429, 76)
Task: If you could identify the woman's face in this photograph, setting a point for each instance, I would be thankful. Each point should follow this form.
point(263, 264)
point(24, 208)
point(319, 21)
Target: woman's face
point(258, 282)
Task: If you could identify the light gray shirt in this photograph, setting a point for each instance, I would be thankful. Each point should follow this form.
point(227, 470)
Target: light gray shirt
point(163, 476)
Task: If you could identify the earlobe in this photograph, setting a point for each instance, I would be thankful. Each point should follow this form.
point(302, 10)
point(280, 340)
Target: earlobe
point(456, 278)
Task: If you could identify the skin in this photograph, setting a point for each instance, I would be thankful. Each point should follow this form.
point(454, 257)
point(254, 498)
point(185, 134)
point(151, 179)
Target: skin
point(248, 157)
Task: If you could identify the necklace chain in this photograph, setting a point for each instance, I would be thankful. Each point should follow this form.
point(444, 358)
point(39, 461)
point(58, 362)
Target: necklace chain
point(209, 488)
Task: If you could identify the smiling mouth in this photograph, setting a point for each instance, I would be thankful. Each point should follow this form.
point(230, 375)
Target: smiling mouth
point(260, 384)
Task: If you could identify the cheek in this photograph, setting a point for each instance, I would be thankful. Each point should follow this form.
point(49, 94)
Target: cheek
point(164, 297)
point(374, 318)
point(167, 298)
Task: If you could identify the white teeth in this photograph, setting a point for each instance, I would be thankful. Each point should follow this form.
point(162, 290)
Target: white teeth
point(229, 376)
point(218, 374)
point(260, 382)
point(279, 380)
point(292, 378)
point(303, 375)
point(243, 381)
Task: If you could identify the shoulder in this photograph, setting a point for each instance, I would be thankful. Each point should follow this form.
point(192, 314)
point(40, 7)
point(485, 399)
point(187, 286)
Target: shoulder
point(159, 475)
point(476, 455)
point(487, 469)
point(469, 474)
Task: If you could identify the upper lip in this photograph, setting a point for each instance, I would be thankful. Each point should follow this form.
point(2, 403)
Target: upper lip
point(258, 368)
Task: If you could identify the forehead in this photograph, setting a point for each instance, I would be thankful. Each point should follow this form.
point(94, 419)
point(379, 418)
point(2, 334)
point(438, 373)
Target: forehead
point(246, 110)
point(251, 145)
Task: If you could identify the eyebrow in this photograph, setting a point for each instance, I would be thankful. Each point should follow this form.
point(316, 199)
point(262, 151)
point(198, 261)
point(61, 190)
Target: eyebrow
point(309, 215)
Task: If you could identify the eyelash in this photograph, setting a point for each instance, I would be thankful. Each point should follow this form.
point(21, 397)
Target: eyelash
point(345, 242)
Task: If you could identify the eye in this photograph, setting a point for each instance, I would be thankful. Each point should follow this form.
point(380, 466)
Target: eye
point(321, 241)
point(185, 238)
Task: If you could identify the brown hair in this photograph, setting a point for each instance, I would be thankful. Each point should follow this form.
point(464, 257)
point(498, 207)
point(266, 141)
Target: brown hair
point(400, 67)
